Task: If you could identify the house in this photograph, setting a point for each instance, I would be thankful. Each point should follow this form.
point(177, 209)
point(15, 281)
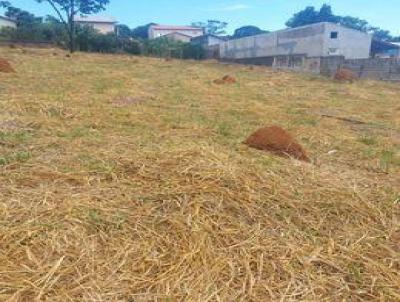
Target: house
point(176, 36)
point(312, 41)
point(157, 31)
point(7, 22)
point(208, 40)
point(384, 49)
point(103, 24)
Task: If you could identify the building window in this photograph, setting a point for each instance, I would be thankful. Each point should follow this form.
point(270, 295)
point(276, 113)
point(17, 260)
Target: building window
point(334, 35)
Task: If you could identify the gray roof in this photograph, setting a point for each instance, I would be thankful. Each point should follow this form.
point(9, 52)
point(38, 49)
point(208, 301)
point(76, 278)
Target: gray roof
point(95, 19)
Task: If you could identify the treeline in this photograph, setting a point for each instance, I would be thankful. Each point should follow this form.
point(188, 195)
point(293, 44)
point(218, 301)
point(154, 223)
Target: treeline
point(135, 41)
point(34, 29)
point(311, 15)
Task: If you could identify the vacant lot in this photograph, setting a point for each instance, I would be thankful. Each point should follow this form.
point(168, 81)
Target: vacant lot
point(125, 179)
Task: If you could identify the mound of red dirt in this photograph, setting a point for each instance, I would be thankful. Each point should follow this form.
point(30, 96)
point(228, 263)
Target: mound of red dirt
point(229, 80)
point(345, 75)
point(5, 66)
point(225, 80)
point(278, 141)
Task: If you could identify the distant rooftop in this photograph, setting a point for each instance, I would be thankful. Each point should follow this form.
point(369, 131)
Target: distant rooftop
point(177, 33)
point(95, 19)
point(7, 18)
point(224, 38)
point(174, 27)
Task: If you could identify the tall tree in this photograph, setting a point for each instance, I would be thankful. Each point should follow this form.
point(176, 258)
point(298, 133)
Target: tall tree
point(247, 31)
point(212, 27)
point(22, 17)
point(380, 34)
point(325, 14)
point(142, 32)
point(355, 23)
point(4, 4)
point(307, 16)
point(123, 31)
point(310, 15)
point(66, 11)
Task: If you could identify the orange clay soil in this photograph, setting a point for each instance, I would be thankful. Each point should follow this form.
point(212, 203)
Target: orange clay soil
point(345, 75)
point(225, 80)
point(5, 66)
point(276, 140)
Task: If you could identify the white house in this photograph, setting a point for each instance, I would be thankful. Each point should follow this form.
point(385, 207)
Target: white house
point(7, 22)
point(103, 24)
point(157, 31)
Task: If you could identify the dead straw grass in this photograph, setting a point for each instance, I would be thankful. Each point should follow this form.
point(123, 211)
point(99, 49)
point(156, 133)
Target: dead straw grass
point(161, 202)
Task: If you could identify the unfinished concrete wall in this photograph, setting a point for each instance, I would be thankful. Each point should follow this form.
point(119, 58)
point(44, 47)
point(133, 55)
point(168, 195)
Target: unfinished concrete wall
point(6, 22)
point(303, 40)
point(346, 42)
point(316, 40)
point(377, 69)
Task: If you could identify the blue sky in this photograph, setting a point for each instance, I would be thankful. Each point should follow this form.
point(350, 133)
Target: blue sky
point(267, 14)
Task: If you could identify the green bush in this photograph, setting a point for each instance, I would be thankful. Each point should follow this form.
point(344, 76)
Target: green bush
point(89, 40)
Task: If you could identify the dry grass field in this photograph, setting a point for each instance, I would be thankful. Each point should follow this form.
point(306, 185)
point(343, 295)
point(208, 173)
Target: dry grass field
point(125, 179)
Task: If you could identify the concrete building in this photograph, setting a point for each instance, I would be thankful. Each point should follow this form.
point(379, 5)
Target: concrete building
point(7, 22)
point(383, 49)
point(157, 31)
point(103, 24)
point(311, 41)
point(178, 37)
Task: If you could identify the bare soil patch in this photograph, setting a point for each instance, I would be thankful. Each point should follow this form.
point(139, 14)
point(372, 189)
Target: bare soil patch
point(10, 125)
point(345, 75)
point(225, 80)
point(278, 141)
point(5, 66)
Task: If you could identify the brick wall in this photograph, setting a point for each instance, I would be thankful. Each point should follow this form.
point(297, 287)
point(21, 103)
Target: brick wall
point(377, 68)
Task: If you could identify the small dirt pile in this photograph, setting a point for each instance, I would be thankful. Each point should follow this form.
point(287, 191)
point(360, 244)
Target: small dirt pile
point(225, 80)
point(5, 66)
point(278, 141)
point(345, 75)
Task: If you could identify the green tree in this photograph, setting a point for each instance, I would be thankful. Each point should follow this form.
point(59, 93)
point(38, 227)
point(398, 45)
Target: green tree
point(355, 23)
point(325, 14)
point(4, 4)
point(23, 18)
point(307, 16)
point(66, 11)
point(142, 32)
point(212, 27)
point(123, 31)
point(247, 31)
point(310, 15)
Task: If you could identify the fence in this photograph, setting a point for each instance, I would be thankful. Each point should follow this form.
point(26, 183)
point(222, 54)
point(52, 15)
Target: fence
point(373, 68)
point(387, 69)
